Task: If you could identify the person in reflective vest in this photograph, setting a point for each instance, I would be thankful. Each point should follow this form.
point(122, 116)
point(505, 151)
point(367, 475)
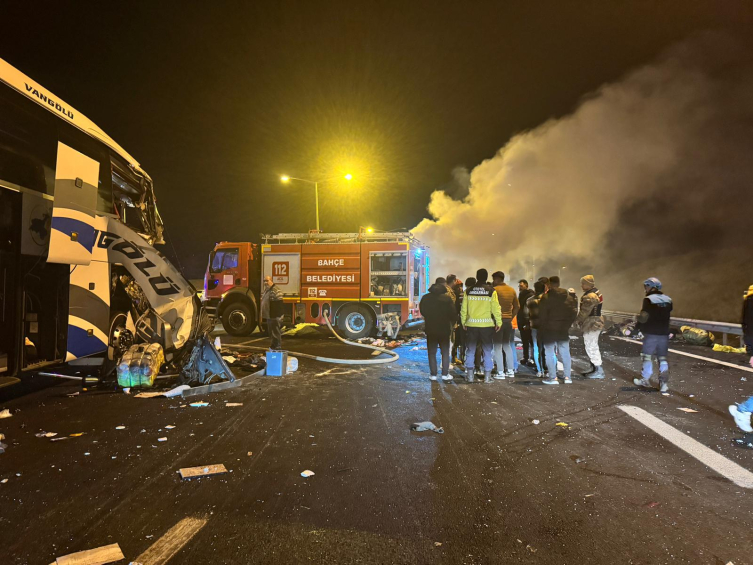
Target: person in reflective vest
point(480, 316)
point(591, 322)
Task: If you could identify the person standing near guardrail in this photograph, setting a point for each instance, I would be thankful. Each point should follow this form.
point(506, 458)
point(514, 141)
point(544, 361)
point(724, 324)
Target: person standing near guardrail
point(591, 322)
point(653, 322)
point(741, 412)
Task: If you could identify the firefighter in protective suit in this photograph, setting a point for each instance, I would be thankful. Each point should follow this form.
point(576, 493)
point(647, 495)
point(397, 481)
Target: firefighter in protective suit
point(591, 322)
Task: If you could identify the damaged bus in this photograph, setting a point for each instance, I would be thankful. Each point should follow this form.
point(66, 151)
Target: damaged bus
point(79, 276)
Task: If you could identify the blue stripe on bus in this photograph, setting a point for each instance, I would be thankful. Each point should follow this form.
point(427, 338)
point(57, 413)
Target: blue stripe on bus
point(68, 226)
point(82, 344)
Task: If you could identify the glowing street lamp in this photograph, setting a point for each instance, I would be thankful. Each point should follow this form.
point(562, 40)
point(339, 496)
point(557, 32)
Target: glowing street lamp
point(286, 178)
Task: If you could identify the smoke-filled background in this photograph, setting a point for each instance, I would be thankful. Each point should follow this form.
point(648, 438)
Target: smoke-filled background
point(649, 176)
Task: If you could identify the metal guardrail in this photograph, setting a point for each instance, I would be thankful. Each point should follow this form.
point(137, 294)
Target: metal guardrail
point(723, 328)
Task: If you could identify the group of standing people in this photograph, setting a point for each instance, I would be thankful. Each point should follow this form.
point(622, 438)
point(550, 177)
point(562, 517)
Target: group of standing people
point(477, 324)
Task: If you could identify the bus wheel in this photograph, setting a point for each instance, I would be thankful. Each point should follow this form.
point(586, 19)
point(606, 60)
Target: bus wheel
point(237, 319)
point(120, 338)
point(356, 321)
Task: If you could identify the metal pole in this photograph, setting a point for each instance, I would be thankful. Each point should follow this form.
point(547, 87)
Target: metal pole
point(316, 195)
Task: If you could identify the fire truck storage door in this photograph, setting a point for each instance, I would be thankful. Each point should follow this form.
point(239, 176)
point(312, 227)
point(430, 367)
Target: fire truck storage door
point(72, 233)
point(285, 270)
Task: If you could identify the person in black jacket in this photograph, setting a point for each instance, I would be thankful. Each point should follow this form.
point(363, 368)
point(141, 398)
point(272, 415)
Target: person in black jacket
point(741, 412)
point(272, 311)
point(539, 288)
point(557, 312)
point(440, 316)
point(458, 344)
point(524, 321)
point(653, 322)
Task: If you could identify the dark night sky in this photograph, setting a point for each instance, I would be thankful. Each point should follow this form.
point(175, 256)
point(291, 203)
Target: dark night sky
point(217, 101)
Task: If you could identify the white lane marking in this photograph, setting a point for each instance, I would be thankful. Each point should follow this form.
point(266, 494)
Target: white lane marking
point(741, 367)
point(729, 469)
point(172, 542)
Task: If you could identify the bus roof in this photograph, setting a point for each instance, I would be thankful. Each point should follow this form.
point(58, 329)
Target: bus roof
point(34, 91)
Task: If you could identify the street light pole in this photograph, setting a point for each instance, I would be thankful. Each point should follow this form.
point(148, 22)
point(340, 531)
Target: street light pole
point(316, 196)
point(286, 178)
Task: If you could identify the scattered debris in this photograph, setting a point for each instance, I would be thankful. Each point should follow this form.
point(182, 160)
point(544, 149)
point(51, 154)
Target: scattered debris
point(161, 439)
point(589, 495)
point(46, 434)
point(535, 422)
point(562, 424)
point(493, 402)
point(99, 556)
point(79, 434)
point(4, 481)
point(177, 391)
point(5, 414)
point(59, 438)
point(375, 353)
point(425, 427)
point(728, 348)
point(169, 427)
point(743, 442)
point(249, 454)
point(229, 358)
point(437, 544)
point(73, 394)
point(120, 427)
point(665, 394)
point(127, 390)
point(189, 472)
point(199, 404)
point(652, 504)
point(688, 410)
point(306, 474)
point(3, 447)
point(531, 549)
point(232, 404)
point(149, 394)
point(697, 336)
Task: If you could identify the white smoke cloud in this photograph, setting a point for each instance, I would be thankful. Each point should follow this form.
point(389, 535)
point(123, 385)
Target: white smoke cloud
point(663, 151)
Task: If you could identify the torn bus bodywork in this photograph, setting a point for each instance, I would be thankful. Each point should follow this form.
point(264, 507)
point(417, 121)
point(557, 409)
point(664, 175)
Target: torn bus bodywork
point(79, 276)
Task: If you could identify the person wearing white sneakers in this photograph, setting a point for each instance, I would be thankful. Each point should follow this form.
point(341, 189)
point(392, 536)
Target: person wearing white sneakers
point(741, 412)
point(439, 314)
point(653, 322)
point(557, 312)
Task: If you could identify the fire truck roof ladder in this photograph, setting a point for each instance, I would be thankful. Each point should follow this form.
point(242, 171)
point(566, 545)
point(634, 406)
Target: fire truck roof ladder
point(377, 237)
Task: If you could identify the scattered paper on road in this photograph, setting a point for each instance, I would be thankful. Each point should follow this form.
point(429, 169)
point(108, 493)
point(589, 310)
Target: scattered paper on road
point(307, 473)
point(5, 414)
point(161, 439)
point(231, 404)
point(46, 434)
point(689, 410)
point(189, 472)
point(169, 427)
point(99, 556)
point(120, 427)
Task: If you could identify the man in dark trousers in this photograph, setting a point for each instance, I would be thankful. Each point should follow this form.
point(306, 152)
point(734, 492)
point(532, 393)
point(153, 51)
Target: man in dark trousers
point(439, 314)
point(653, 322)
point(741, 412)
point(524, 321)
point(557, 312)
point(458, 344)
point(271, 311)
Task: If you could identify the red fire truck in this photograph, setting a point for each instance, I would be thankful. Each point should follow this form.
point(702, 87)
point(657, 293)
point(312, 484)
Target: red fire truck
point(362, 282)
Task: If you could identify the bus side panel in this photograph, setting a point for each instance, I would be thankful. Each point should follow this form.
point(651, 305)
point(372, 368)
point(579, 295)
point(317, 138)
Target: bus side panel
point(88, 310)
point(76, 180)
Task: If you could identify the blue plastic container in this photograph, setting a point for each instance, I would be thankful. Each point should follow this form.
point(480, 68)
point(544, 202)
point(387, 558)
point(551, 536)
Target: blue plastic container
point(277, 363)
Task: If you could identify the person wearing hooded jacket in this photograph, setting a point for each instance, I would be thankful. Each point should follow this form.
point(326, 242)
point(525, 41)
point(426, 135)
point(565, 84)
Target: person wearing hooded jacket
point(557, 312)
point(481, 316)
point(741, 412)
point(439, 315)
point(591, 322)
point(653, 322)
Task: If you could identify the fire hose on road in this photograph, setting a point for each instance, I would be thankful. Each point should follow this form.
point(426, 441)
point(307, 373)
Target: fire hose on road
point(379, 361)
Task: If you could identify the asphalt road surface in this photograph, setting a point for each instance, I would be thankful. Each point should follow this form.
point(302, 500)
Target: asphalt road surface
point(630, 479)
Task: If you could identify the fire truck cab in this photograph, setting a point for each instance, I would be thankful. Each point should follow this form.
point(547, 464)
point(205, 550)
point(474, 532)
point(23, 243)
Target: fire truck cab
point(362, 282)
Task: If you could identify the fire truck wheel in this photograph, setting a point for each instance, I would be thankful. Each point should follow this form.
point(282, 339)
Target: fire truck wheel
point(356, 321)
point(238, 319)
